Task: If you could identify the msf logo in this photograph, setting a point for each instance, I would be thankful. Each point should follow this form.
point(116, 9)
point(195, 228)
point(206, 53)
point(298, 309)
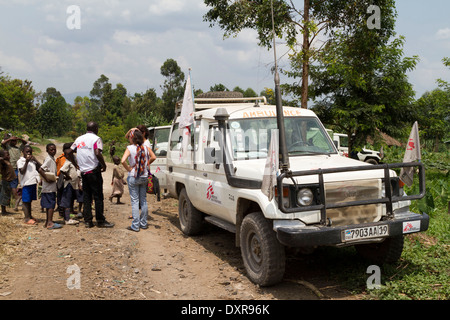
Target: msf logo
point(81, 145)
point(411, 145)
point(209, 192)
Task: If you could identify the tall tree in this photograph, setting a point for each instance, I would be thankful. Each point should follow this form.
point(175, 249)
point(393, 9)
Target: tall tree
point(100, 97)
point(80, 114)
point(298, 25)
point(361, 80)
point(118, 97)
point(173, 87)
point(53, 117)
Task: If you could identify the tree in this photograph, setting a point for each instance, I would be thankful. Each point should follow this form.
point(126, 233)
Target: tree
point(101, 95)
point(218, 87)
point(16, 103)
point(144, 102)
point(445, 85)
point(80, 115)
point(173, 87)
point(433, 112)
point(361, 79)
point(118, 97)
point(53, 117)
point(298, 27)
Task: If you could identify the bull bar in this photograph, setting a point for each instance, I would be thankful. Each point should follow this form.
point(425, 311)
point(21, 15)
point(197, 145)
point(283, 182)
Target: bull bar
point(324, 234)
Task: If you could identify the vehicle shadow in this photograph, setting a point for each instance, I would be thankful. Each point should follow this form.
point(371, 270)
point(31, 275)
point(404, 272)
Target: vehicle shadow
point(307, 277)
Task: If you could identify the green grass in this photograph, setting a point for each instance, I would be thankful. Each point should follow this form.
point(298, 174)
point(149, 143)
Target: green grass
point(423, 271)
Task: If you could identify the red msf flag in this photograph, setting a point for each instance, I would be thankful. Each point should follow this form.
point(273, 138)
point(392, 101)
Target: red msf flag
point(412, 154)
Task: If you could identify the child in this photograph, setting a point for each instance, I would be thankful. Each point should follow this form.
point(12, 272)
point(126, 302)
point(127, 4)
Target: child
point(15, 152)
point(60, 179)
point(48, 193)
point(70, 186)
point(79, 197)
point(28, 167)
point(8, 175)
point(117, 181)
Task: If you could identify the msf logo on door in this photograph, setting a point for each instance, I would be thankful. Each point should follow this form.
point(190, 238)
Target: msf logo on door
point(210, 195)
point(209, 191)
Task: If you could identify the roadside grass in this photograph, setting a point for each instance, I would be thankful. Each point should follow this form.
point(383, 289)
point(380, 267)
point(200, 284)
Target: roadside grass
point(423, 271)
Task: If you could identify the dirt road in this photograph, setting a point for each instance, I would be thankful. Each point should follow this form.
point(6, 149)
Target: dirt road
point(76, 263)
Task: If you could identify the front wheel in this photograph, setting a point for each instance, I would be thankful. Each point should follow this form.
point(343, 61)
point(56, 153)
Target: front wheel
point(263, 255)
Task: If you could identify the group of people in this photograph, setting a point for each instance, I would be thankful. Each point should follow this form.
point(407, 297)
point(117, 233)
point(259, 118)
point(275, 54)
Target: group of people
point(71, 177)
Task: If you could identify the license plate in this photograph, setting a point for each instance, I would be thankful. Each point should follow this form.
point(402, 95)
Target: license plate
point(365, 232)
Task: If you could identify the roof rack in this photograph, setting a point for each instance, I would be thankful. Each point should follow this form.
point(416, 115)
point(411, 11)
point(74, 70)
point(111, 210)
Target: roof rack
point(208, 103)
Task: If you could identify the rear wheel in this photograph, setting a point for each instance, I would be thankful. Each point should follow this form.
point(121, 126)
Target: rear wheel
point(263, 255)
point(371, 161)
point(191, 219)
point(388, 251)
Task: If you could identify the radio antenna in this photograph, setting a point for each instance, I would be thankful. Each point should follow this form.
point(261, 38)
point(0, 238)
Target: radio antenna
point(284, 160)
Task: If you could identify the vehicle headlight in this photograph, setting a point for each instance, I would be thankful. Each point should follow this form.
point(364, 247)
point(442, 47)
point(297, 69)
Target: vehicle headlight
point(305, 197)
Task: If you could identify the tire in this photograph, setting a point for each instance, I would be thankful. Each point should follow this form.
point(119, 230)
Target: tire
point(262, 253)
point(371, 161)
point(388, 251)
point(191, 219)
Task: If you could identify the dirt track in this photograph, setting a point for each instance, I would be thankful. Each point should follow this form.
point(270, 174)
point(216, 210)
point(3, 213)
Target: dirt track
point(158, 263)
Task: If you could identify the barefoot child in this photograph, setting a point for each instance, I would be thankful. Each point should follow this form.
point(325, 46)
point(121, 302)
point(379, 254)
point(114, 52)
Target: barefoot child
point(8, 175)
point(28, 167)
point(117, 181)
point(48, 194)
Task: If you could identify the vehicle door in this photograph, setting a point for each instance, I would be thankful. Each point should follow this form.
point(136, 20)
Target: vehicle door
point(160, 138)
point(211, 184)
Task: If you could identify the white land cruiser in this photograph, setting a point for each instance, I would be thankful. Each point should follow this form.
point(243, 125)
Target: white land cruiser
point(324, 199)
point(366, 155)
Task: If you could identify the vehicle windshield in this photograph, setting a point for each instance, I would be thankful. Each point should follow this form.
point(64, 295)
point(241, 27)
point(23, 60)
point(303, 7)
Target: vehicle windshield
point(250, 138)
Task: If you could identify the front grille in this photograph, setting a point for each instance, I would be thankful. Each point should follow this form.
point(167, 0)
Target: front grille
point(338, 192)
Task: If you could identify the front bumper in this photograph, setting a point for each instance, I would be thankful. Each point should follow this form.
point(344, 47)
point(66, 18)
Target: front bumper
point(311, 236)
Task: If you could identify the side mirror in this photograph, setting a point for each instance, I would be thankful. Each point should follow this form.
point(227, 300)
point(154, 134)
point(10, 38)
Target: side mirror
point(213, 155)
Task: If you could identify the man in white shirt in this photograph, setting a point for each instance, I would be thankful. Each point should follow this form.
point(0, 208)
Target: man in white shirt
point(91, 164)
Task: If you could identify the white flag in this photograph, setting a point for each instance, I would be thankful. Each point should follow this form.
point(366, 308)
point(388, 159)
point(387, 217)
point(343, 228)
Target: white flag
point(270, 171)
point(412, 154)
point(186, 117)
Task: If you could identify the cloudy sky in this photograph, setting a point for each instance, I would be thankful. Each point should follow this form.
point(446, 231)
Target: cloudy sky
point(128, 41)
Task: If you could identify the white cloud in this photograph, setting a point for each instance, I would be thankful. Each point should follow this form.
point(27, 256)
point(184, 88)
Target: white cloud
point(14, 63)
point(48, 41)
point(128, 38)
point(47, 60)
point(443, 34)
point(164, 7)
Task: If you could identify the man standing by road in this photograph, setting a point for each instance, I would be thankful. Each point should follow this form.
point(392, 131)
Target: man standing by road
point(91, 164)
point(15, 152)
